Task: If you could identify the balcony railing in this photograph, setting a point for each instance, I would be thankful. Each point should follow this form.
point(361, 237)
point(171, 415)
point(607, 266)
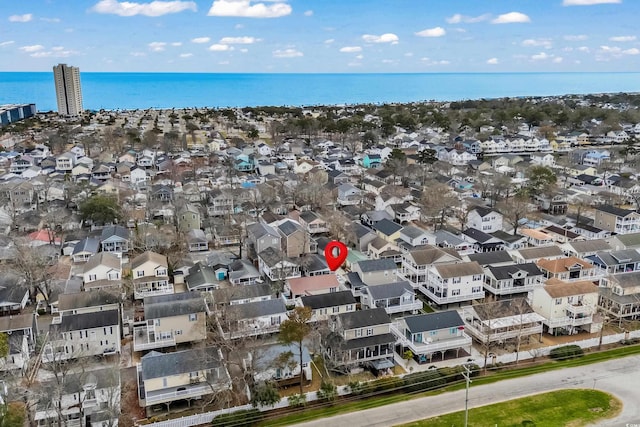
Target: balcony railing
point(430, 347)
point(505, 335)
point(440, 300)
point(577, 310)
point(186, 392)
point(143, 340)
point(512, 289)
point(400, 308)
point(569, 321)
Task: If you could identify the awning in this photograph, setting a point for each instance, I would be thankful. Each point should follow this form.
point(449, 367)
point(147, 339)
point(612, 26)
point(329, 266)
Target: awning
point(382, 364)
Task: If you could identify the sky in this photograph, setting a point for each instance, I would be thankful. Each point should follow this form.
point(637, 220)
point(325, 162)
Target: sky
point(321, 36)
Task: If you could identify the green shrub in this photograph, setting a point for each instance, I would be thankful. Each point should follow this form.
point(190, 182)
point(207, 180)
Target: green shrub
point(328, 392)
point(244, 418)
point(382, 384)
point(566, 352)
point(297, 400)
point(425, 380)
point(356, 388)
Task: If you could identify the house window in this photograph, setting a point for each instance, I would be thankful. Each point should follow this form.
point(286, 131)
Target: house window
point(369, 332)
point(92, 277)
point(358, 333)
point(193, 317)
point(476, 289)
point(350, 307)
point(178, 332)
point(164, 382)
point(477, 277)
point(336, 309)
point(433, 333)
point(558, 301)
point(333, 289)
point(453, 331)
point(456, 280)
point(275, 320)
point(140, 273)
point(455, 292)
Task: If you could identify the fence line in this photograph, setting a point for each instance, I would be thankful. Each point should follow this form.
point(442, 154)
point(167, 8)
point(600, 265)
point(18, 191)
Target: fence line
point(207, 417)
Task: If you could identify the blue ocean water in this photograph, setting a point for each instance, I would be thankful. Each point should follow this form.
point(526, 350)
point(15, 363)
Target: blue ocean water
point(179, 90)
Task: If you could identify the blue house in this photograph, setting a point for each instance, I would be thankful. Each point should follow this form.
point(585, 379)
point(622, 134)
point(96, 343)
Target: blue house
point(244, 163)
point(370, 161)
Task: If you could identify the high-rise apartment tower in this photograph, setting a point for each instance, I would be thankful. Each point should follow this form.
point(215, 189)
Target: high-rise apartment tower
point(68, 91)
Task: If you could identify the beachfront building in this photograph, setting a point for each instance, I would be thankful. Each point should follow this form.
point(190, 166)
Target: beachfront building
point(68, 91)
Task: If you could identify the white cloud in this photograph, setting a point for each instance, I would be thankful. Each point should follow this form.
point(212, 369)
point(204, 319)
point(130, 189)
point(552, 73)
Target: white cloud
point(154, 8)
point(137, 54)
point(223, 63)
point(217, 47)
point(511, 18)
point(622, 38)
point(492, 61)
point(632, 51)
point(557, 59)
point(58, 48)
point(7, 43)
point(546, 43)
point(21, 18)
point(384, 38)
point(329, 41)
point(287, 53)
point(540, 56)
point(238, 26)
point(186, 55)
point(583, 49)
point(576, 38)
point(350, 49)
point(432, 32)
point(308, 13)
point(239, 40)
point(245, 9)
point(32, 48)
point(354, 64)
point(588, 2)
point(244, 50)
point(53, 20)
point(201, 40)
point(56, 52)
point(429, 61)
point(176, 44)
point(458, 19)
point(361, 56)
point(157, 46)
point(408, 54)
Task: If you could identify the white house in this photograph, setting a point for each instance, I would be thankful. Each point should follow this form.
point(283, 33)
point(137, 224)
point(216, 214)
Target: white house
point(454, 283)
point(484, 219)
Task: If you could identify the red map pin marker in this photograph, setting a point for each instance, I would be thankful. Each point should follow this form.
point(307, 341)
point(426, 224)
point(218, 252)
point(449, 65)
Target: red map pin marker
point(335, 253)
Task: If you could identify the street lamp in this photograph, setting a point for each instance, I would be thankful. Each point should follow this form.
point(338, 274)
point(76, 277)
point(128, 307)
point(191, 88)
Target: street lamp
point(467, 377)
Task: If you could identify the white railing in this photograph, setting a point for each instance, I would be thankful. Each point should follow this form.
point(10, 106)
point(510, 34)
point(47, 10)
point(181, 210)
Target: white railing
point(450, 299)
point(512, 289)
point(189, 391)
point(568, 321)
point(143, 343)
point(499, 336)
point(423, 348)
point(400, 308)
point(141, 294)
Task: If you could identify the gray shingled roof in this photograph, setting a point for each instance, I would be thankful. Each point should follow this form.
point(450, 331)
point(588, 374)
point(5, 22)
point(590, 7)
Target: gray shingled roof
point(506, 271)
point(161, 306)
point(88, 244)
point(387, 227)
point(364, 318)
point(331, 299)
point(389, 290)
point(234, 293)
point(252, 310)
point(433, 321)
point(75, 322)
point(488, 258)
point(159, 365)
point(86, 299)
point(371, 265)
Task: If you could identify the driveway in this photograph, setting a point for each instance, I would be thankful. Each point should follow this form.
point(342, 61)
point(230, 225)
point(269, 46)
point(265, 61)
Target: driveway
point(619, 377)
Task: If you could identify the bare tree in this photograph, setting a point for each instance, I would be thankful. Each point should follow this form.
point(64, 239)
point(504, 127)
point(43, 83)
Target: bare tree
point(514, 211)
point(436, 202)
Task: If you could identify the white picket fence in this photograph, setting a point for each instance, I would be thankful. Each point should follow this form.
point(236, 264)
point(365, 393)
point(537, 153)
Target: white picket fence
point(207, 417)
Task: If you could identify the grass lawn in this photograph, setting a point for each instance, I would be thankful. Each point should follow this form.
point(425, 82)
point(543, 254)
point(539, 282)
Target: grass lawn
point(578, 408)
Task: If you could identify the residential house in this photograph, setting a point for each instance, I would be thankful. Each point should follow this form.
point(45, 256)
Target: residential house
point(196, 240)
point(396, 297)
point(86, 397)
point(225, 234)
point(447, 240)
point(204, 278)
point(428, 335)
point(617, 220)
point(380, 248)
point(20, 330)
point(614, 262)
point(296, 241)
point(241, 295)
point(568, 307)
point(86, 302)
point(84, 249)
point(65, 162)
point(73, 336)
point(416, 262)
point(568, 269)
point(348, 195)
point(102, 270)
point(242, 272)
point(313, 223)
point(591, 232)
point(388, 230)
point(481, 241)
point(188, 217)
point(376, 271)
point(362, 235)
point(276, 266)
point(484, 219)
point(496, 258)
point(220, 203)
point(189, 374)
point(454, 283)
point(361, 338)
point(327, 304)
point(266, 364)
point(562, 235)
point(625, 241)
point(412, 237)
point(150, 273)
point(252, 319)
point(171, 320)
point(585, 248)
point(262, 236)
point(500, 322)
point(404, 212)
point(298, 287)
point(512, 279)
point(115, 238)
point(534, 254)
point(537, 237)
point(14, 296)
point(620, 296)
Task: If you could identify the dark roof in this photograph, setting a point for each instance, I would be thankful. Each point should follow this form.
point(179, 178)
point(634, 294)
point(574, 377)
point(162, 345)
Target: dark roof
point(75, 322)
point(309, 216)
point(504, 308)
point(433, 321)
point(590, 245)
point(371, 265)
point(361, 230)
point(234, 293)
point(562, 231)
point(387, 227)
point(615, 210)
point(332, 299)
point(288, 227)
point(88, 244)
point(364, 318)
point(616, 257)
point(114, 230)
point(199, 275)
point(507, 271)
point(506, 237)
point(483, 211)
point(86, 299)
point(489, 258)
point(369, 341)
point(477, 235)
point(389, 290)
point(159, 365)
point(251, 310)
point(160, 306)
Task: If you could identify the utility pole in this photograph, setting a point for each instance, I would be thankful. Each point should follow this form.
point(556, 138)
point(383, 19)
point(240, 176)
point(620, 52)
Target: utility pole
point(467, 377)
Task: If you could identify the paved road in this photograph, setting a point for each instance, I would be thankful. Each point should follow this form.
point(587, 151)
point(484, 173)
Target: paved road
point(620, 377)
